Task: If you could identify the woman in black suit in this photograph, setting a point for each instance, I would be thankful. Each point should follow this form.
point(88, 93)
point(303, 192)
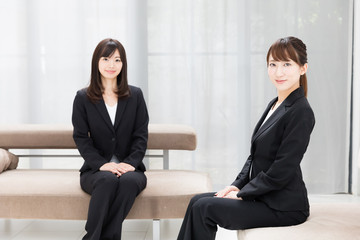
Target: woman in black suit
point(269, 191)
point(110, 122)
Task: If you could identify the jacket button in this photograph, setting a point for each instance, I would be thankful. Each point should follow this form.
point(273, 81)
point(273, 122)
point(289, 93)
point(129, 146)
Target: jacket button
point(113, 139)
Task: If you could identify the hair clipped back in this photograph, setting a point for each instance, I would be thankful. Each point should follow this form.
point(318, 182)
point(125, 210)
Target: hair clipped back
point(290, 48)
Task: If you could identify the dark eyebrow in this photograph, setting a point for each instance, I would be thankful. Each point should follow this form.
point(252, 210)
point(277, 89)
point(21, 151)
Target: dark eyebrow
point(273, 60)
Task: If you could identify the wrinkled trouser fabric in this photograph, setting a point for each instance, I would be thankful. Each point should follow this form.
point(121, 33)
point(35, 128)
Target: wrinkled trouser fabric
point(205, 212)
point(111, 201)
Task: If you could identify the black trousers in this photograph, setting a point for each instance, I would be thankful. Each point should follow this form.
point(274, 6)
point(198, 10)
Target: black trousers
point(205, 212)
point(111, 201)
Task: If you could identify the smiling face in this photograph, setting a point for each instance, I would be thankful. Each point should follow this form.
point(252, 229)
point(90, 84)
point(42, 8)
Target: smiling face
point(110, 67)
point(287, 66)
point(285, 75)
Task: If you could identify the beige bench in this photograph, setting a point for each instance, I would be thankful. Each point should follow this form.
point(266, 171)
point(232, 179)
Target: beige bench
point(56, 193)
point(327, 221)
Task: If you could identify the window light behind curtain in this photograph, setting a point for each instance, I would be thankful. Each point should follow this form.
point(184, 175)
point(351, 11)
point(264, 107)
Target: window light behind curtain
point(207, 68)
point(199, 62)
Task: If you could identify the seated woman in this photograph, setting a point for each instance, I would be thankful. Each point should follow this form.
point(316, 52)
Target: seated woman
point(269, 191)
point(110, 122)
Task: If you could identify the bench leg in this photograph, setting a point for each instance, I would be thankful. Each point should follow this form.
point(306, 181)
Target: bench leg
point(156, 229)
point(166, 159)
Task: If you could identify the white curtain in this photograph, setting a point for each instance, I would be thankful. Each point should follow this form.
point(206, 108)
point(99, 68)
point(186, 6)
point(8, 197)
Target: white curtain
point(46, 48)
point(207, 69)
point(199, 62)
point(356, 103)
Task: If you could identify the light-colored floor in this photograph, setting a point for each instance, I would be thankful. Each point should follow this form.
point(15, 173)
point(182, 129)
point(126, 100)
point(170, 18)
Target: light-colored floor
point(74, 230)
point(20, 229)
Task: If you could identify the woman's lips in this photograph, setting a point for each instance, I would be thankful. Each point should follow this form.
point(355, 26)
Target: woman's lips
point(280, 81)
point(111, 72)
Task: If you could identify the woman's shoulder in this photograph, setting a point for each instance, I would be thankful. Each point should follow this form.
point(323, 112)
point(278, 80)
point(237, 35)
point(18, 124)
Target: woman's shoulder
point(81, 95)
point(303, 104)
point(134, 89)
point(82, 92)
point(302, 109)
point(297, 101)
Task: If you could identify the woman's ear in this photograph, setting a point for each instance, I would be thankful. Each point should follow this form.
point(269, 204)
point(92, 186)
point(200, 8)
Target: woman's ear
point(303, 69)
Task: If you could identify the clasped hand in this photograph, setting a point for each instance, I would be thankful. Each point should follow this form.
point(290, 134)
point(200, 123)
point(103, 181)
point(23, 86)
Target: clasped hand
point(117, 168)
point(228, 192)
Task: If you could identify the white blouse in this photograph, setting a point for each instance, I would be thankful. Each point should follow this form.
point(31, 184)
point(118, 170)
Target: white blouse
point(271, 111)
point(112, 112)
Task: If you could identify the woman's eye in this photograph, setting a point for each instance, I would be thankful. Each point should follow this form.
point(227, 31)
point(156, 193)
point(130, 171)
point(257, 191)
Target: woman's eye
point(287, 64)
point(105, 59)
point(118, 60)
point(272, 65)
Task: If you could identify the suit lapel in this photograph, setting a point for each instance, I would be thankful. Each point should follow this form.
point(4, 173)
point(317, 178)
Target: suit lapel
point(280, 111)
point(263, 116)
point(277, 114)
point(120, 111)
point(100, 106)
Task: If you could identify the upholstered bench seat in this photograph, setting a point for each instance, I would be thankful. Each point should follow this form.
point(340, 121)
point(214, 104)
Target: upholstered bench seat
point(56, 194)
point(327, 221)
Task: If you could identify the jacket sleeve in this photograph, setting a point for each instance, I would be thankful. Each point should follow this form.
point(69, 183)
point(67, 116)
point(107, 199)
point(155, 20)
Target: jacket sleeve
point(243, 177)
point(81, 133)
point(139, 136)
point(295, 139)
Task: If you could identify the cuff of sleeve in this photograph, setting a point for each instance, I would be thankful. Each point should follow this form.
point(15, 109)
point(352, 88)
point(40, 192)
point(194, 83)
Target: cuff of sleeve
point(130, 163)
point(236, 184)
point(245, 198)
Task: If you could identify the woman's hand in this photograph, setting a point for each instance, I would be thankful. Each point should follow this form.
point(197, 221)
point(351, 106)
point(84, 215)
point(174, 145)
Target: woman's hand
point(226, 191)
point(125, 167)
point(111, 167)
point(233, 195)
point(117, 168)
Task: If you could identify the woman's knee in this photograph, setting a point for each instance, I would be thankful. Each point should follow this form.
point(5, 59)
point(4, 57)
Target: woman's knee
point(90, 181)
point(202, 204)
point(106, 180)
point(197, 197)
point(133, 180)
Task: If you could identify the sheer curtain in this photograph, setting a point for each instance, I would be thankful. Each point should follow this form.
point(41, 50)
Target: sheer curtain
point(207, 69)
point(45, 57)
point(46, 49)
point(199, 62)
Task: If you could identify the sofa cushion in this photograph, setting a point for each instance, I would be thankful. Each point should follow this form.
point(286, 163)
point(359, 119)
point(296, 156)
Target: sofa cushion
point(327, 221)
point(56, 194)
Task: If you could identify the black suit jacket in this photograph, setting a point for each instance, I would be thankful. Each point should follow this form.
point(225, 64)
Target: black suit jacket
point(277, 148)
point(97, 139)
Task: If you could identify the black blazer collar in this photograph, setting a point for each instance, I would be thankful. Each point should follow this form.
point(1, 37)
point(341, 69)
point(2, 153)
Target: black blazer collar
point(120, 111)
point(280, 111)
point(105, 114)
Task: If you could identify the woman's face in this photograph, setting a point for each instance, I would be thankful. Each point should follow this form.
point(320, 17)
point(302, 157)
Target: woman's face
point(285, 75)
point(110, 67)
